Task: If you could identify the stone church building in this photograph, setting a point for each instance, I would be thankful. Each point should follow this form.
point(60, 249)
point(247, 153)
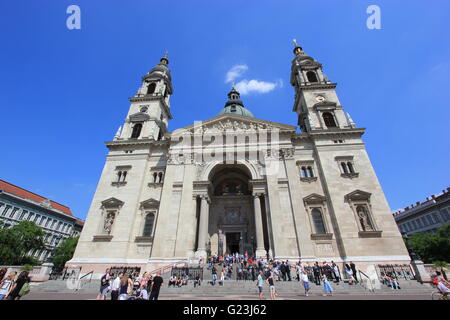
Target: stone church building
point(236, 183)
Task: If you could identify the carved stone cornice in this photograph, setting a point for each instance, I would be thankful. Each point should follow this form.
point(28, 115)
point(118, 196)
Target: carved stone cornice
point(318, 86)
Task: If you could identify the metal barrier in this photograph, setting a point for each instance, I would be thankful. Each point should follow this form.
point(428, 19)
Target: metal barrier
point(191, 272)
point(131, 271)
point(396, 271)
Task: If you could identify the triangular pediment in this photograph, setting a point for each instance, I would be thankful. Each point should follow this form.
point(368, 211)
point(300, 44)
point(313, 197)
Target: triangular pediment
point(112, 203)
point(358, 195)
point(230, 122)
point(150, 203)
point(314, 198)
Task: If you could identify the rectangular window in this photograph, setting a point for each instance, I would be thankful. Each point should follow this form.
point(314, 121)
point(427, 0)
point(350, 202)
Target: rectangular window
point(53, 224)
point(5, 211)
point(23, 214)
point(36, 218)
point(13, 212)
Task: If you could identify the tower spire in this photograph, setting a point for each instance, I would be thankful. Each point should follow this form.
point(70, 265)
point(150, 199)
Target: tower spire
point(165, 59)
point(297, 49)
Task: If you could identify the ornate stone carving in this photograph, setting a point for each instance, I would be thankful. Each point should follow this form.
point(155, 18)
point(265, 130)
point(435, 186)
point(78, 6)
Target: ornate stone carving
point(109, 220)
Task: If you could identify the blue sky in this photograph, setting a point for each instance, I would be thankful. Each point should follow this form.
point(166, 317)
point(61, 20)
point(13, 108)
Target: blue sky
point(64, 92)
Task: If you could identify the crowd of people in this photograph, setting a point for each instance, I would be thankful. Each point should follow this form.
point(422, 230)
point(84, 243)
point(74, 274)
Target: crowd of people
point(12, 287)
point(125, 286)
point(242, 267)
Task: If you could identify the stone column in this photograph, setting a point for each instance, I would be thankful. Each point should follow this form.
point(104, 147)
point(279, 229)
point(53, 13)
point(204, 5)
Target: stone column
point(266, 201)
point(203, 227)
point(260, 251)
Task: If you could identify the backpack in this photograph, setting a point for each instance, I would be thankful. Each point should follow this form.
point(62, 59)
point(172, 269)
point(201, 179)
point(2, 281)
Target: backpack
point(25, 289)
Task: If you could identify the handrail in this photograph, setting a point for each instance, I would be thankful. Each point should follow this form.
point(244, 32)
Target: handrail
point(368, 280)
point(164, 269)
point(82, 277)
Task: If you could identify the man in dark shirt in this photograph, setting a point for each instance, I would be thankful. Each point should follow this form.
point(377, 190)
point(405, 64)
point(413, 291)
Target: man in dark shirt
point(155, 286)
point(288, 270)
point(317, 271)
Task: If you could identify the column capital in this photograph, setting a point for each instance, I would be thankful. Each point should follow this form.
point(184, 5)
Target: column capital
point(258, 194)
point(205, 197)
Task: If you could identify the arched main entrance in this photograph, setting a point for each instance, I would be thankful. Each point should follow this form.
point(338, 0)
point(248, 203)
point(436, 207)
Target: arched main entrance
point(230, 212)
point(231, 217)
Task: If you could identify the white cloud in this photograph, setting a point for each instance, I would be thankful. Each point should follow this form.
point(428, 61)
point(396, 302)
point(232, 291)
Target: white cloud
point(255, 86)
point(235, 72)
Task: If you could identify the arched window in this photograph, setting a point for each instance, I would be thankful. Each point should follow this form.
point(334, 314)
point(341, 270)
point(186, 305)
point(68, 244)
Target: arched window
point(350, 167)
point(344, 167)
point(160, 175)
point(160, 135)
point(136, 130)
point(312, 77)
point(329, 120)
point(310, 172)
point(151, 88)
point(124, 175)
point(317, 218)
point(154, 177)
point(148, 225)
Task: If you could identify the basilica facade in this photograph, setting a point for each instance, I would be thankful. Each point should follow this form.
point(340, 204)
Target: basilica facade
point(236, 183)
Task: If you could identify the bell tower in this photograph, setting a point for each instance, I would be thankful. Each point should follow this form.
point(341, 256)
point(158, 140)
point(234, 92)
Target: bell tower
point(316, 102)
point(149, 114)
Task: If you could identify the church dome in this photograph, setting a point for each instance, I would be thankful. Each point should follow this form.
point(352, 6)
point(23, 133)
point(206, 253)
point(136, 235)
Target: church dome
point(235, 106)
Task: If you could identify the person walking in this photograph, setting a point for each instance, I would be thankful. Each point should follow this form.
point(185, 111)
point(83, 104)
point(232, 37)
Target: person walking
point(305, 282)
point(156, 286)
point(20, 287)
point(352, 265)
point(104, 285)
point(327, 286)
point(115, 287)
point(260, 283)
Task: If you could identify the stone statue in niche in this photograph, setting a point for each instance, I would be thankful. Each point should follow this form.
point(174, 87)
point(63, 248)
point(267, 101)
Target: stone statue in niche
point(364, 220)
point(109, 220)
point(238, 189)
point(225, 188)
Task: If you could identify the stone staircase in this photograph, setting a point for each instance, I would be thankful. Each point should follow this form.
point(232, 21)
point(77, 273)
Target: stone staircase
point(242, 288)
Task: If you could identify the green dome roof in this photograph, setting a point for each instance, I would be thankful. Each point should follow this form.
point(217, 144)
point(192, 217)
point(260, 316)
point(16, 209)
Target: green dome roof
point(237, 109)
point(235, 106)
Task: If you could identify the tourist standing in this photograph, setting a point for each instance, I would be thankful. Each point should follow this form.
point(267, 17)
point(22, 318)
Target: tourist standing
point(288, 270)
point(156, 286)
point(115, 287)
point(104, 285)
point(305, 282)
point(222, 277)
point(6, 285)
point(22, 282)
point(273, 292)
point(214, 275)
point(260, 282)
point(352, 265)
point(316, 272)
point(126, 286)
point(336, 272)
point(349, 273)
point(327, 286)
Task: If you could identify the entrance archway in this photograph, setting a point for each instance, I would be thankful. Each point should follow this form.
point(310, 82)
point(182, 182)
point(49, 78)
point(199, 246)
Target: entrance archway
point(231, 212)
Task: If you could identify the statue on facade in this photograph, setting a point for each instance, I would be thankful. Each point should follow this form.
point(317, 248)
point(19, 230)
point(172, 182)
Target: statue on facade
point(364, 220)
point(225, 189)
point(109, 222)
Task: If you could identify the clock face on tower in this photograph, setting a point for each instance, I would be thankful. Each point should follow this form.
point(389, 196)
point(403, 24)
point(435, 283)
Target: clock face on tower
point(320, 98)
